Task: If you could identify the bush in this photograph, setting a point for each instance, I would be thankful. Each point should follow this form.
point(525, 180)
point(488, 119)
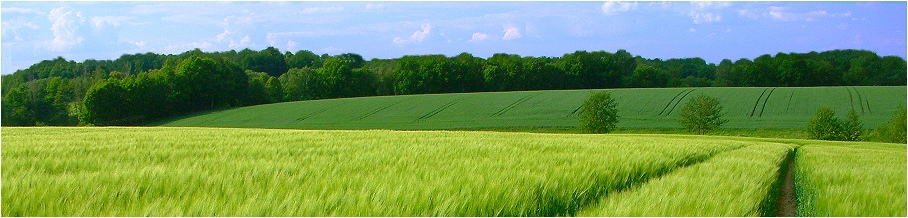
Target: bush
point(599, 113)
point(825, 126)
point(701, 114)
point(852, 129)
point(894, 130)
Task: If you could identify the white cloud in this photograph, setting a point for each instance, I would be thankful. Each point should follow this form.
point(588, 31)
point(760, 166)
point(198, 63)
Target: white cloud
point(21, 11)
point(479, 37)
point(747, 13)
point(705, 17)
point(610, 8)
point(180, 48)
point(511, 33)
point(783, 14)
point(243, 43)
point(374, 6)
point(692, 30)
point(64, 28)
point(100, 22)
point(321, 10)
point(221, 37)
point(291, 45)
point(417, 36)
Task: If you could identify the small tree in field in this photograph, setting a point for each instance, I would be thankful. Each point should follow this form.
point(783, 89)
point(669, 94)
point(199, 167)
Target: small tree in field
point(852, 129)
point(824, 125)
point(701, 114)
point(599, 113)
point(894, 130)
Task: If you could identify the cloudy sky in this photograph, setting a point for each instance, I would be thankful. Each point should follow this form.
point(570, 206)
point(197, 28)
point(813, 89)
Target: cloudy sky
point(35, 31)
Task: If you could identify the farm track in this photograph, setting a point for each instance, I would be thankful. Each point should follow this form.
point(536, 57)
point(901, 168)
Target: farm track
point(676, 103)
point(785, 203)
point(851, 98)
point(370, 113)
point(758, 102)
point(632, 185)
point(438, 110)
point(307, 116)
point(514, 104)
point(765, 100)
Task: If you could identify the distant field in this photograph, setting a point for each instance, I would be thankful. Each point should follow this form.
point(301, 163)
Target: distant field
point(162, 171)
point(648, 108)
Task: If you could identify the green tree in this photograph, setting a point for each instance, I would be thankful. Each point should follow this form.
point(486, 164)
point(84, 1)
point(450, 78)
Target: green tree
point(646, 76)
point(824, 125)
point(104, 104)
point(701, 114)
point(894, 130)
point(599, 113)
point(853, 128)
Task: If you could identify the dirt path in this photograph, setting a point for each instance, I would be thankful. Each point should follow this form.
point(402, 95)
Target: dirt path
point(785, 205)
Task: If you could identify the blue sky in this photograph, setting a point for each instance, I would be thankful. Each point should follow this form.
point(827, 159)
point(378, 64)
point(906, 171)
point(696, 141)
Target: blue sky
point(35, 31)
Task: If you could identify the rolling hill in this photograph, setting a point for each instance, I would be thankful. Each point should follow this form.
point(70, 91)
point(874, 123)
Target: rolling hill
point(744, 107)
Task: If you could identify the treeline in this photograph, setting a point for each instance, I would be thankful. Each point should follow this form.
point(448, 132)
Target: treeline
point(139, 88)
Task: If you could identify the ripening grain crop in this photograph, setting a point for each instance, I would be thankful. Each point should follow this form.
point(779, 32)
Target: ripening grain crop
point(733, 183)
point(256, 172)
point(851, 179)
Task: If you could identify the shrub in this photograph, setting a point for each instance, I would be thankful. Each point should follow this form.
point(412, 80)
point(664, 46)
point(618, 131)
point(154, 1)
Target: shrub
point(701, 114)
point(893, 130)
point(599, 113)
point(824, 125)
point(852, 129)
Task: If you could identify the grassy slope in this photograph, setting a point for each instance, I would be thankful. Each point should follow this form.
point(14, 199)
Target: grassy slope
point(745, 108)
point(256, 172)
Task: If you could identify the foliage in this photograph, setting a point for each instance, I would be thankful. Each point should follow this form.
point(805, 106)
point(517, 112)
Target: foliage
point(850, 180)
point(738, 181)
point(825, 126)
point(893, 130)
point(599, 113)
point(701, 114)
point(853, 128)
point(253, 172)
point(48, 101)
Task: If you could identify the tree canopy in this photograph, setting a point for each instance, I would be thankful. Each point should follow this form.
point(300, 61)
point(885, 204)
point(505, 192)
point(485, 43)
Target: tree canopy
point(138, 88)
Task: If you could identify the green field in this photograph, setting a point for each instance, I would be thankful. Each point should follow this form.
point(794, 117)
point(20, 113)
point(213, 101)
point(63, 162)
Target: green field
point(644, 108)
point(162, 171)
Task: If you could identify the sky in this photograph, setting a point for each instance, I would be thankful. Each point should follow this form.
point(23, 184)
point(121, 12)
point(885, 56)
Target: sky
point(36, 31)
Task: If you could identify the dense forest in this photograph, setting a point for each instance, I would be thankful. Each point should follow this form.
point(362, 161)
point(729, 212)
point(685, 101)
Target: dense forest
point(135, 89)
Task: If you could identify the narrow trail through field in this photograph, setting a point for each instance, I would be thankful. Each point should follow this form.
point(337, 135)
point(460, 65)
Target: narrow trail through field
point(785, 204)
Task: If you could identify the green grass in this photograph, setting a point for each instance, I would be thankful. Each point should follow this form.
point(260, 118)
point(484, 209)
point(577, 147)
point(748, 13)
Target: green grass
point(851, 179)
point(257, 172)
point(554, 110)
point(734, 183)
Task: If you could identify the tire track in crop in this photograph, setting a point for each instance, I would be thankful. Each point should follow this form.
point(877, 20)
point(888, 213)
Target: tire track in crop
point(370, 113)
point(758, 102)
point(765, 100)
point(307, 116)
point(861, 100)
point(787, 105)
point(437, 110)
point(679, 102)
point(514, 104)
point(673, 100)
point(851, 99)
point(639, 180)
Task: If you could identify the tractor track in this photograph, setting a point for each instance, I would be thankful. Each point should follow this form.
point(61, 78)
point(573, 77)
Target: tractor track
point(758, 102)
point(438, 110)
point(673, 100)
point(514, 104)
point(678, 102)
point(765, 100)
